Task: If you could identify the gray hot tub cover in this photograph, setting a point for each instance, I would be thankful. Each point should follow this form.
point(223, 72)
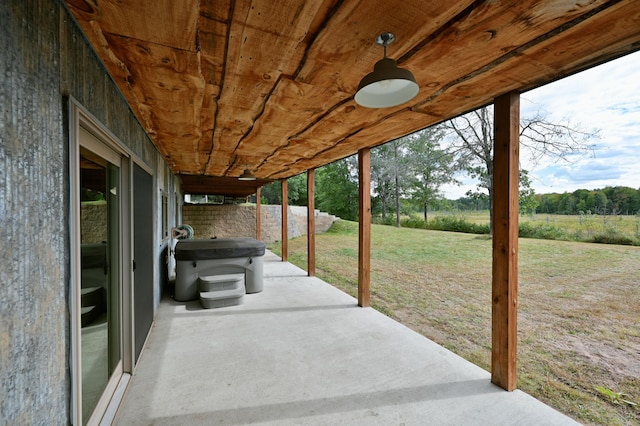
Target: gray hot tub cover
point(219, 248)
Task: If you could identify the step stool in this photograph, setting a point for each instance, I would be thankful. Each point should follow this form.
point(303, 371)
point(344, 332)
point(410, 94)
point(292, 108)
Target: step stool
point(93, 301)
point(217, 291)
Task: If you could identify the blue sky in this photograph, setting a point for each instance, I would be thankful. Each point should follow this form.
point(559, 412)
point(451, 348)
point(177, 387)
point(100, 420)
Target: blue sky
point(607, 98)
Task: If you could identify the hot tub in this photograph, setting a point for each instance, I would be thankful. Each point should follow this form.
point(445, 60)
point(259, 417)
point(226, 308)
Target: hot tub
point(200, 258)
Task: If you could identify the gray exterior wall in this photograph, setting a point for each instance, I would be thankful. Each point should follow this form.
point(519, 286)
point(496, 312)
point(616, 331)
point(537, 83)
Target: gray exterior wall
point(43, 59)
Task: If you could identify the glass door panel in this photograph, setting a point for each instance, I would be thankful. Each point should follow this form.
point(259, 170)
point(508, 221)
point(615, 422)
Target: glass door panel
point(100, 340)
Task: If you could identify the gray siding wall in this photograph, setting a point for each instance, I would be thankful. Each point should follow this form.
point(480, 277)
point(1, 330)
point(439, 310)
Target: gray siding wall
point(43, 58)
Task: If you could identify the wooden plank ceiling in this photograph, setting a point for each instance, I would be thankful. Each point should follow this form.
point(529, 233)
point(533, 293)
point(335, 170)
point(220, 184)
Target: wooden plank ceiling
point(268, 85)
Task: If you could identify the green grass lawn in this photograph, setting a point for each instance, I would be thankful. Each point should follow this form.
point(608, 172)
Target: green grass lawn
point(579, 307)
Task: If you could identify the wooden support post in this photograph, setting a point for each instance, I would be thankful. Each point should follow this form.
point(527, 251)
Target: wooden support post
point(505, 241)
point(285, 220)
point(364, 227)
point(258, 215)
point(311, 223)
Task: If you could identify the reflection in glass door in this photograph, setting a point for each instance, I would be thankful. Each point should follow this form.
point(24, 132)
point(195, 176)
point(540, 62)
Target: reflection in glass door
point(100, 283)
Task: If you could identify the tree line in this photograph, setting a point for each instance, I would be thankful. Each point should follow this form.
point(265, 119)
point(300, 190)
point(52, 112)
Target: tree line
point(613, 200)
point(407, 174)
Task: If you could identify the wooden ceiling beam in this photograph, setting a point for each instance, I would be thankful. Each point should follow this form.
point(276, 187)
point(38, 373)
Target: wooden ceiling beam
point(454, 100)
point(227, 186)
point(469, 32)
point(224, 85)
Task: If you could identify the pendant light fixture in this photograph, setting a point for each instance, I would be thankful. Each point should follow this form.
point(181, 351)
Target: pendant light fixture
point(387, 85)
point(246, 175)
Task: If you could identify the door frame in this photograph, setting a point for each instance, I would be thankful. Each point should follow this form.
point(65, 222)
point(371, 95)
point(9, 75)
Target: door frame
point(80, 117)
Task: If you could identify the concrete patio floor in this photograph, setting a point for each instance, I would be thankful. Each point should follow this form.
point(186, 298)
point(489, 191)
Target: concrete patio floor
point(303, 353)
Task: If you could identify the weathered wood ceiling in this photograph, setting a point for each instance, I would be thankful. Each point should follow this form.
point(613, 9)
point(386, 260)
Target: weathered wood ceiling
point(268, 84)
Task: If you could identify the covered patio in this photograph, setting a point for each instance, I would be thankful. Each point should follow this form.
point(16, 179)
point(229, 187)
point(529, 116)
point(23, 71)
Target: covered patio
point(157, 99)
point(303, 352)
point(238, 94)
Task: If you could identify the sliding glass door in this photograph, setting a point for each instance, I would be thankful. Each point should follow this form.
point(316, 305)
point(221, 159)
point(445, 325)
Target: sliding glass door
point(98, 300)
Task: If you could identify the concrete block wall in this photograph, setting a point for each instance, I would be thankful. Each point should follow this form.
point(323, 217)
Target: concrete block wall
point(239, 220)
point(271, 223)
point(220, 221)
point(92, 222)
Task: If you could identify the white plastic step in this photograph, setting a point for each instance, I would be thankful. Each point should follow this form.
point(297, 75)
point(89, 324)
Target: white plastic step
point(88, 314)
point(213, 283)
point(92, 296)
point(222, 298)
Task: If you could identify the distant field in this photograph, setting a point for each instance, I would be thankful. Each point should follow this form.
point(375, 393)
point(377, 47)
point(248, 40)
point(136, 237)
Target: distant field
point(579, 307)
point(585, 225)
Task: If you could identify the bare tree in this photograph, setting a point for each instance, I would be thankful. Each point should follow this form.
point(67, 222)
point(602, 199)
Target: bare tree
point(539, 137)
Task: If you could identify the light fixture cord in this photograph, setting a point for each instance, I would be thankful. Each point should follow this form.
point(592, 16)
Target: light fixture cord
point(385, 42)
